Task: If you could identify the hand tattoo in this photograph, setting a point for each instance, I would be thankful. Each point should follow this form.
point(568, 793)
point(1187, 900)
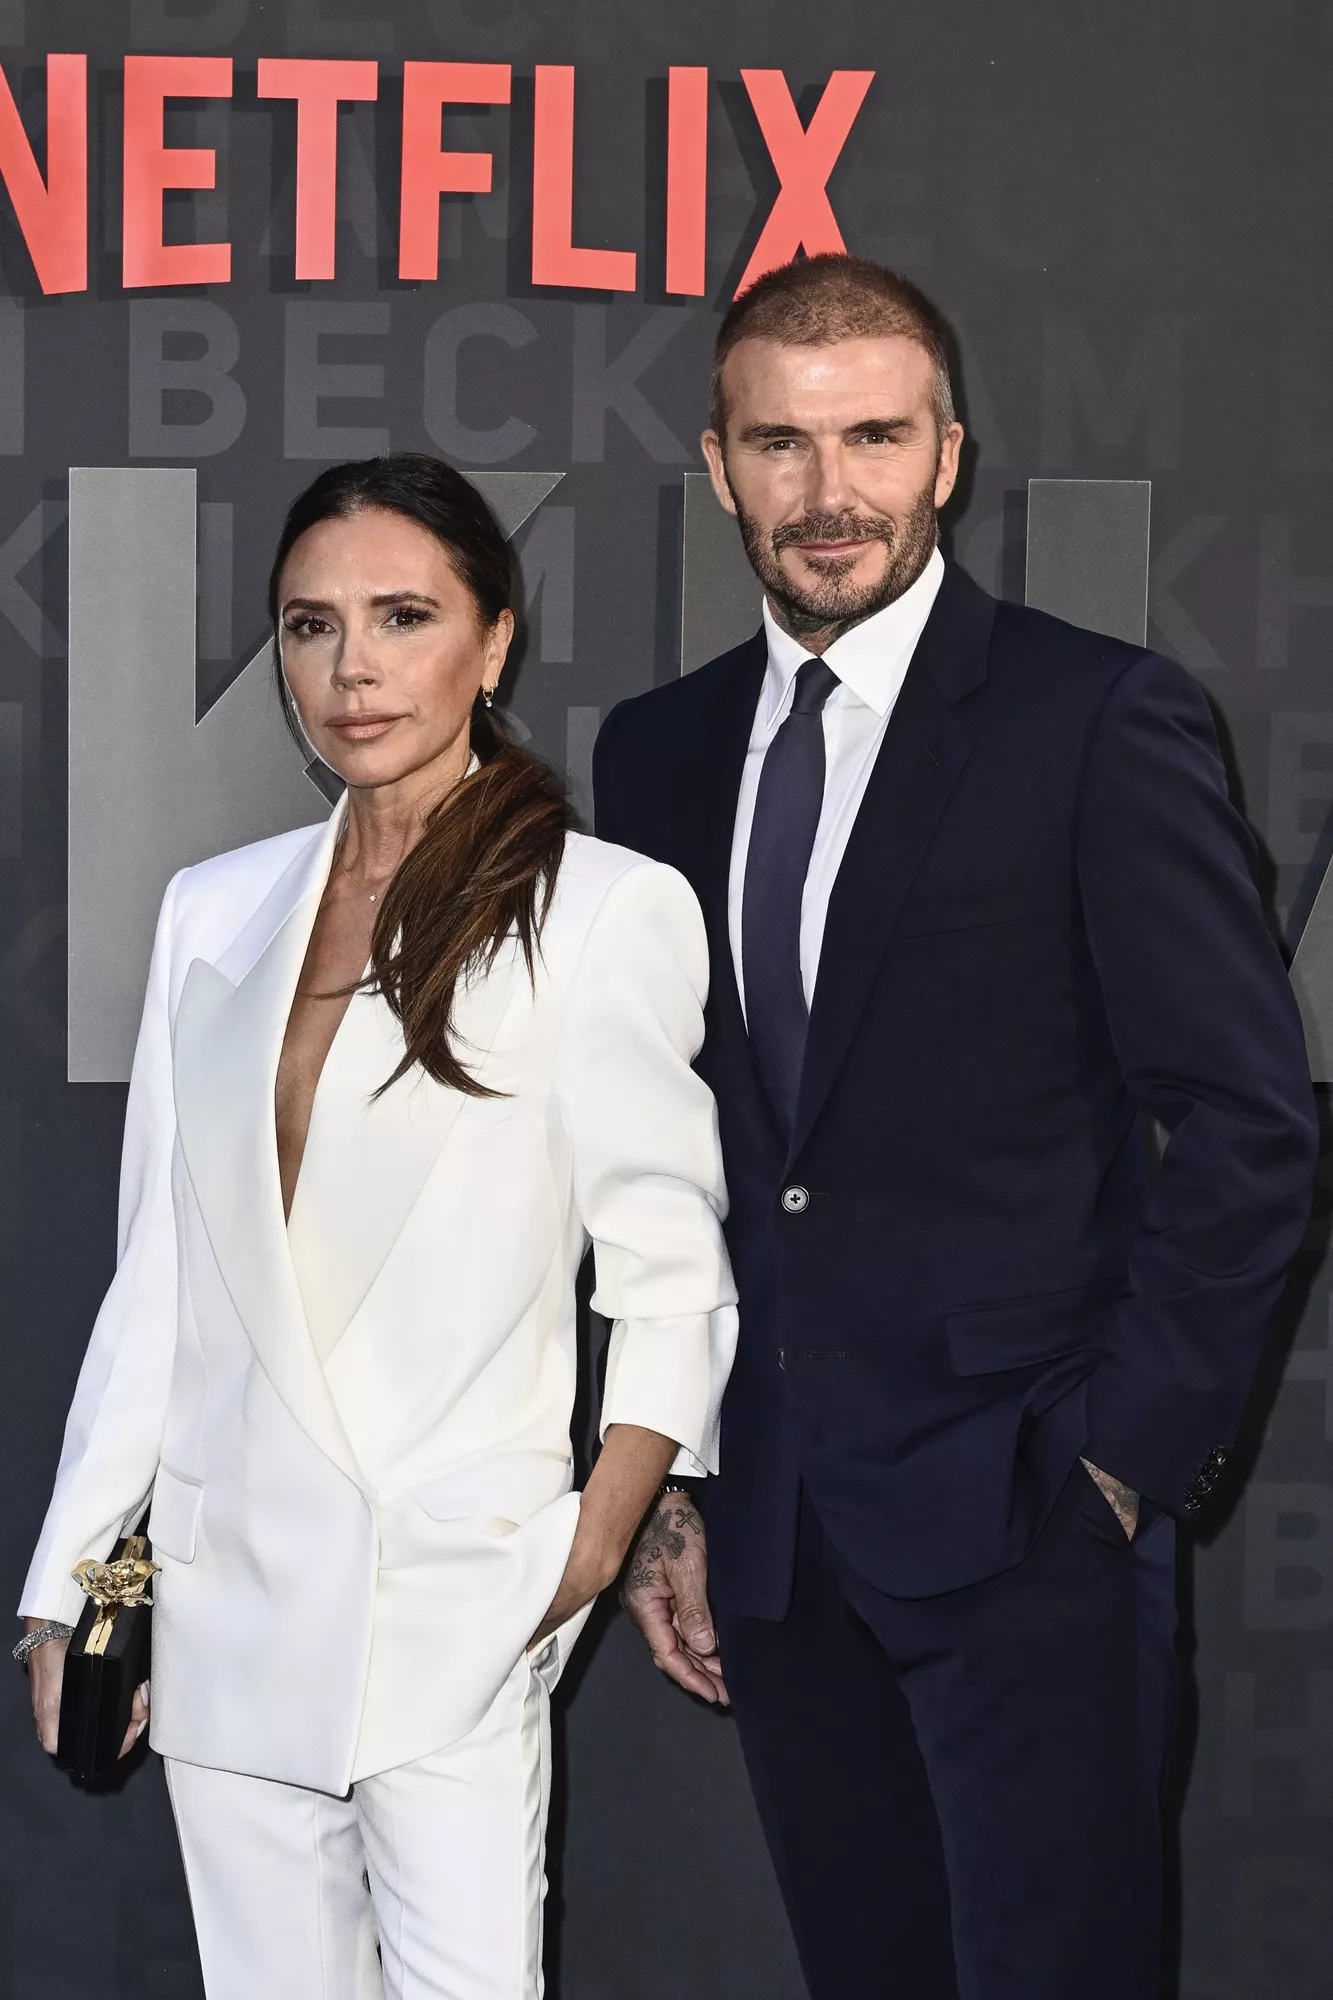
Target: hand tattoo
point(1123, 1499)
point(663, 1537)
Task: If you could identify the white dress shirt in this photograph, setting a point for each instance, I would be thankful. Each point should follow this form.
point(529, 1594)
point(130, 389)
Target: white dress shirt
point(871, 663)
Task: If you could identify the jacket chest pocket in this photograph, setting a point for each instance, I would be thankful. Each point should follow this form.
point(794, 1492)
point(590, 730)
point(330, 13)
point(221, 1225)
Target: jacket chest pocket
point(966, 910)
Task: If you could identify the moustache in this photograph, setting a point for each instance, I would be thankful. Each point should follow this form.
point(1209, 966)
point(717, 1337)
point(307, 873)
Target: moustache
point(832, 528)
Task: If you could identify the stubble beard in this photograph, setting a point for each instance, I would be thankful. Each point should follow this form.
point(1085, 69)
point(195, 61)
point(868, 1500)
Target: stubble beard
point(834, 604)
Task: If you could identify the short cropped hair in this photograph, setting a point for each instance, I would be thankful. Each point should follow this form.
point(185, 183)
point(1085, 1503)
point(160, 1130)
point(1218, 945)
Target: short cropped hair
point(828, 298)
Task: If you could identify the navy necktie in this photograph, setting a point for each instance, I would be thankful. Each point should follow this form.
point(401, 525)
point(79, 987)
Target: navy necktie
point(782, 838)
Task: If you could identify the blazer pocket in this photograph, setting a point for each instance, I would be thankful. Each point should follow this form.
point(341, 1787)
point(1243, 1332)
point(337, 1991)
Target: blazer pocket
point(1017, 1333)
point(969, 910)
point(509, 1487)
point(174, 1518)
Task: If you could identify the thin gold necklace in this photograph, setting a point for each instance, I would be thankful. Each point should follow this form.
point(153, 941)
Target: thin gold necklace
point(372, 894)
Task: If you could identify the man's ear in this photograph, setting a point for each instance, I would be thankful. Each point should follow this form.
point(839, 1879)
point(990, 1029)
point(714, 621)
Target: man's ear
point(946, 471)
point(711, 445)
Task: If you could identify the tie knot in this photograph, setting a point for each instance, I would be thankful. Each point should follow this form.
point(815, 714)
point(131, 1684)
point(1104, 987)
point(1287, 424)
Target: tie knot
point(815, 682)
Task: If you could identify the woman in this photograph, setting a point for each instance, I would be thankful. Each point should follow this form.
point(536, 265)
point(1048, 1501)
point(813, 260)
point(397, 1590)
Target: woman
point(340, 1343)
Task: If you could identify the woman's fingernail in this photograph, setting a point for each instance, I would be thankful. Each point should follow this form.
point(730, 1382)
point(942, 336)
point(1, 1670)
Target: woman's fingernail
point(142, 1691)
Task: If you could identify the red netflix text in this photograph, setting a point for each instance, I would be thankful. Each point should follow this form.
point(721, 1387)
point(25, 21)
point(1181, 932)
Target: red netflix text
point(51, 207)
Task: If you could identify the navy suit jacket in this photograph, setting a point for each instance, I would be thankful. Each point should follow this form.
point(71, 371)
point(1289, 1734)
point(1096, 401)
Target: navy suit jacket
point(960, 1273)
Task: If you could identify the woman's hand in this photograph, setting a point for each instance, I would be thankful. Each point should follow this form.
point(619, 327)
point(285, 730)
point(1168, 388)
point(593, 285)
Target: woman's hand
point(138, 1719)
point(46, 1678)
point(587, 1573)
point(631, 1467)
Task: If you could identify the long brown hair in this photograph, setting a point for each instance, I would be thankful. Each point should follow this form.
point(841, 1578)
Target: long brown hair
point(485, 866)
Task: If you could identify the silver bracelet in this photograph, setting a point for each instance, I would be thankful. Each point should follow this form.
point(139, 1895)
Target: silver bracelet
point(53, 1629)
point(670, 1486)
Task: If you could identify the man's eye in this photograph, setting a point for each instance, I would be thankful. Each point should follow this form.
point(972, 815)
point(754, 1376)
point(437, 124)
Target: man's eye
point(780, 444)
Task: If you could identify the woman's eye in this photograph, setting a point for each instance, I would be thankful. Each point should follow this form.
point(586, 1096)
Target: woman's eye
point(306, 628)
point(404, 616)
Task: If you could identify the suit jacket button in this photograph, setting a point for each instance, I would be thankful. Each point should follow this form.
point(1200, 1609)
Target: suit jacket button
point(795, 1200)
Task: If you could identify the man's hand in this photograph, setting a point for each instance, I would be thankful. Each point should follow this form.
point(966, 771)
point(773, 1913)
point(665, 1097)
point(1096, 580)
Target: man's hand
point(666, 1594)
point(1123, 1500)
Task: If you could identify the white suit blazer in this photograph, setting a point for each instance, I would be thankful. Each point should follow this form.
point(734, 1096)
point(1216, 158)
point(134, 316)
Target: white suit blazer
point(356, 1428)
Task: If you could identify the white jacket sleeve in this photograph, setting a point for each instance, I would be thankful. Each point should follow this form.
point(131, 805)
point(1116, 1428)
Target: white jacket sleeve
point(647, 1160)
point(114, 1430)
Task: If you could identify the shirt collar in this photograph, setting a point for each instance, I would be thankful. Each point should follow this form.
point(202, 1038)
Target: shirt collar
point(871, 660)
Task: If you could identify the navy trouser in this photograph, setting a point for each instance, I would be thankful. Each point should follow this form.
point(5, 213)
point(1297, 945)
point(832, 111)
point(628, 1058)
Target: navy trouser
point(961, 1793)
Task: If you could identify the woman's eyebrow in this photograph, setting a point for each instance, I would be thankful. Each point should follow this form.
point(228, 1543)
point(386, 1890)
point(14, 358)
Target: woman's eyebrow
point(378, 601)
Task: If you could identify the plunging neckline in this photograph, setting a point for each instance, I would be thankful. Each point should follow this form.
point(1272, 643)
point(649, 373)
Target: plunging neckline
point(358, 992)
point(330, 1054)
point(304, 913)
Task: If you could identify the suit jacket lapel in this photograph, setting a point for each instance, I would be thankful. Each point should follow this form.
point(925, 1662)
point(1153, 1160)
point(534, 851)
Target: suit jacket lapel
point(712, 784)
point(715, 782)
point(368, 1158)
point(923, 751)
point(228, 1037)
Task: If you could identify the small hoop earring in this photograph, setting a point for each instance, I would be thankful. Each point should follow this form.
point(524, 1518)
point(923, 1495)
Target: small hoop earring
point(488, 696)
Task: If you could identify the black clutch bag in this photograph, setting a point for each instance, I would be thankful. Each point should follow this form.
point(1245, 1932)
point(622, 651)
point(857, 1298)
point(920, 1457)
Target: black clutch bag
point(107, 1658)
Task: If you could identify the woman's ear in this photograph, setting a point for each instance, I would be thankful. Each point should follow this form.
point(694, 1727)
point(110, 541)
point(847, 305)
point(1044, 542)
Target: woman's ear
point(499, 639)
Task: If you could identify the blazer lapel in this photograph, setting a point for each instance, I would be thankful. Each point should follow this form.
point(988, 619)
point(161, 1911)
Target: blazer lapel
point(715, 782)
point(368, 1158)
point(919, 761)
point(228, 1036)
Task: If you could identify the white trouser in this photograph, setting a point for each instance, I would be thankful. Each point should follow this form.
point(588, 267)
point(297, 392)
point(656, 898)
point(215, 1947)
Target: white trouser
point(439, 1864)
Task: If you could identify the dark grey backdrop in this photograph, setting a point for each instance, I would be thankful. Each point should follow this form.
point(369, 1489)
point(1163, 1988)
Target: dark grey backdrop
point(1124, 207)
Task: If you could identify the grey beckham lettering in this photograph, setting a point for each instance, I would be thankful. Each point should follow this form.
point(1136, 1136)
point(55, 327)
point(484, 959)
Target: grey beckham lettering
point(168, 391)
point(1288, 1556)
point(1295, 1755)
point(1138, 409)
point(1282, 593)
point(1315, 1365)
point(604, 385)
point(310, 378)
point(441, 361)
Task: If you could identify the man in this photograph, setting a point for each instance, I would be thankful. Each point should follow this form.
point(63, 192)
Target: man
point(977, 903)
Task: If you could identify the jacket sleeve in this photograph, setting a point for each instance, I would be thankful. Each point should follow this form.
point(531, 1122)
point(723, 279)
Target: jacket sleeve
point(609, 816)
point(1208, 1038)
point(647, 1161)
point(114, 1430)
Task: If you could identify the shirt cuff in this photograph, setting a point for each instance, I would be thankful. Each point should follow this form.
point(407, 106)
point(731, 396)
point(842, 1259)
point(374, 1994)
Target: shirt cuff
point(667, 1375)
